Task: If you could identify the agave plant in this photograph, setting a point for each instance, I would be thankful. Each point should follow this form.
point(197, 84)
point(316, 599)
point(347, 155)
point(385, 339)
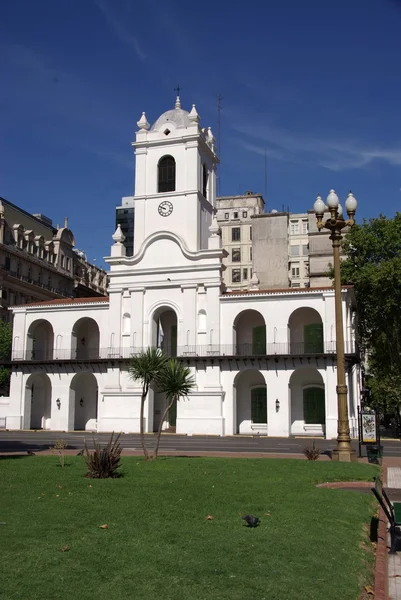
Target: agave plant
point(104, 461)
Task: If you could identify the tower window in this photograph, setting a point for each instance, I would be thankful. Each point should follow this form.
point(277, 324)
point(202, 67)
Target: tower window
point(204, 181)
point(166, 174)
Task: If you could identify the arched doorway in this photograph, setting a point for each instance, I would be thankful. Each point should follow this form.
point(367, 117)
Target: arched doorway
point(308, 404)
point(250, 398)
point(40, 341)
point(85, 339)
point(83, 402)
point(164, 330)
point(305, 329)
point(38, 392)
point(249, 330)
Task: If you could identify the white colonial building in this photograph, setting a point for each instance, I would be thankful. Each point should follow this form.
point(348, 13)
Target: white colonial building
point(264, 360)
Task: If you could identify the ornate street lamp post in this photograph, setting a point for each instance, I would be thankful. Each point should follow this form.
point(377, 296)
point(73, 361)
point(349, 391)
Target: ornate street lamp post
point(336, 224)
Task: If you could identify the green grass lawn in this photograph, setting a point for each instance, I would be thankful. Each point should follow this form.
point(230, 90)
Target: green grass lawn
point(159, 544)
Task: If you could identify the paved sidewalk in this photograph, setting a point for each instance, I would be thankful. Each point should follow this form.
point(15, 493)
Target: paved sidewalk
point(394, 560)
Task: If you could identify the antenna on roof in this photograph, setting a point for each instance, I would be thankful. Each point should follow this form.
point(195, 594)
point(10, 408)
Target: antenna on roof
point(219, 108)
point(265, 175)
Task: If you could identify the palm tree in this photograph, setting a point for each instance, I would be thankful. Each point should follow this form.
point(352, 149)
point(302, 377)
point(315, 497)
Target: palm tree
point(146, 367)
point(176, 382)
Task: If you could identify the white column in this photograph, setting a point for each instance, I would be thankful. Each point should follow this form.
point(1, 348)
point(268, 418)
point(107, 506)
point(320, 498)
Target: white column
point(278, 421)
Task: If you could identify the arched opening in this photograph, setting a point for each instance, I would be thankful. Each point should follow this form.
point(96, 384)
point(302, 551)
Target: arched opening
point(83, 402)
point(40, 341)
point(250, 333)
point(164, 330)
point(305, 329)
point(308, 404)
point(38, 392)
point(250, 397)
point(85, 339)
point(166, 174)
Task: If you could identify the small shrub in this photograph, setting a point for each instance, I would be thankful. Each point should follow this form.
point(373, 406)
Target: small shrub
point(312, 452)
point(104, 462)
point(59, 448)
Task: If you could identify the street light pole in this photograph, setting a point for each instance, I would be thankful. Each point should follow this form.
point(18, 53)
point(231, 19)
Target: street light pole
point(335, 224)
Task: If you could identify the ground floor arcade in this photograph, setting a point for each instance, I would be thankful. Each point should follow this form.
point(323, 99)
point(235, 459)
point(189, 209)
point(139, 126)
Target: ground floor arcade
point(252, 397)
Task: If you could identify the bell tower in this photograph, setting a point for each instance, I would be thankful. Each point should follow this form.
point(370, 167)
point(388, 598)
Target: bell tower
point(175, 178)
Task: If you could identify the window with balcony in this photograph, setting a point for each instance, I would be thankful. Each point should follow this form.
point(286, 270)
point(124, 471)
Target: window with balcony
point(236, 276)
point(313, 338)
point(236, 234)
point(295, 271)
point(259, 340)
point(294, 227)
point(236, 255)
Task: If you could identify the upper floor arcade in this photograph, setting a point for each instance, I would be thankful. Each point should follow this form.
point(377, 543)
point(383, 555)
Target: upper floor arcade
point(258, 325)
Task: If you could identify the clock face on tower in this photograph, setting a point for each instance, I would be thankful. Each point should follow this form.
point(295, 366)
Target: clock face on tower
point(165, 208)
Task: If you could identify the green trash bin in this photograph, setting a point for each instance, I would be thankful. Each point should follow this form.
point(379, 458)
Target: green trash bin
point(375, 453)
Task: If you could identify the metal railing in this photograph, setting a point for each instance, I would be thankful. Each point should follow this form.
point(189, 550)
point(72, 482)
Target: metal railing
point(206, 351)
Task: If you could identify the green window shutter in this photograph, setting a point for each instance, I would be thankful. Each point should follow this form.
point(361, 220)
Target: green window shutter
point(172, 415)
point(259, 405)
point(174, 340)
point(259, 340)
point(313, 338)
point(314, 406)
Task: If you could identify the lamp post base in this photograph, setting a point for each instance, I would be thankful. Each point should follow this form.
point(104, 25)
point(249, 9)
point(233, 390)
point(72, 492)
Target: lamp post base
point(344, 455)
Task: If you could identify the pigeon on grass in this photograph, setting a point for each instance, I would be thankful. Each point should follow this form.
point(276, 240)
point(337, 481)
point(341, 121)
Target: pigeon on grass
point(251, 520)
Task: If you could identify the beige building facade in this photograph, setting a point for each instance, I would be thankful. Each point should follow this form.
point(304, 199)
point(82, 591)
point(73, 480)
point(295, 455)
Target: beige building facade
point(234, 216)
point(40, 262)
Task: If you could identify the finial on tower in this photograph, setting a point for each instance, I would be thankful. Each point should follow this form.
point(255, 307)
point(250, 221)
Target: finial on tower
point(118, 248)
point(177, 100)
point(193, 115)
point(143, 122)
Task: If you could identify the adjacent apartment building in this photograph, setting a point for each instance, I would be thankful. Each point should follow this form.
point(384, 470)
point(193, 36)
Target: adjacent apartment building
point(234, 216)
point(40, 262)
point(281, 249)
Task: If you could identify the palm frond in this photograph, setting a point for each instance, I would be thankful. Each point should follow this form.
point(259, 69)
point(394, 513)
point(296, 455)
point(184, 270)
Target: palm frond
point(147, 366)
point(175, 380)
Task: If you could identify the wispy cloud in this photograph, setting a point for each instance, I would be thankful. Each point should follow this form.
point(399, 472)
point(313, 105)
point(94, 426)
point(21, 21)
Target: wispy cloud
point(326, 152)
point(121, 24)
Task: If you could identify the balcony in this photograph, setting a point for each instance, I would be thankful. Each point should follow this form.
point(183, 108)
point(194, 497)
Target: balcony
point(242, 351)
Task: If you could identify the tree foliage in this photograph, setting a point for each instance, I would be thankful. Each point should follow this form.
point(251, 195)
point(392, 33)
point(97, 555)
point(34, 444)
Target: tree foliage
point(175, 381)
point(373, 266)
point(6, 333)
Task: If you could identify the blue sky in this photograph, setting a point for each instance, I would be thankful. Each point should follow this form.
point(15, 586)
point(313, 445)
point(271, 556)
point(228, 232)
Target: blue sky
point(314, 85)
